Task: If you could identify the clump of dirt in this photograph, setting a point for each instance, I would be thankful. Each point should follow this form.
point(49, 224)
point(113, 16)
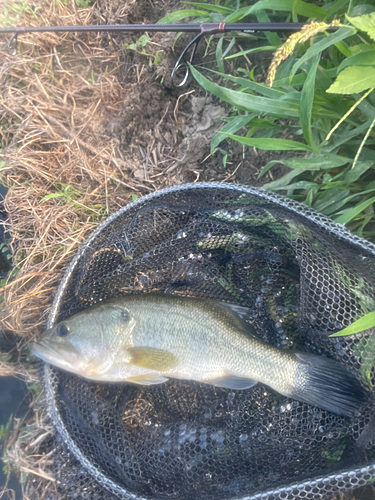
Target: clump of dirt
point(165, 132)
point(166, 135)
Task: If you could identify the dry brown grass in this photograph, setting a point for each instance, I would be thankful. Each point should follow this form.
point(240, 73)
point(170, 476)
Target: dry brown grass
point(57, 92)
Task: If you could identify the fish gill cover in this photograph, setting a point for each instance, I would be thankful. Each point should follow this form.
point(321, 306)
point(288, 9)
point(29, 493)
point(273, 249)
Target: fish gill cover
point(302, 277)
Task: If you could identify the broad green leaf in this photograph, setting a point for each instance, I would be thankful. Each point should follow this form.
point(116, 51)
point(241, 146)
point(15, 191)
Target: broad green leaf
point(182, 14)
point(284, 181)
point(306, 185)
point(299, 7)
point(211, 8)
point(219, 55)
point(367, 321)
point(261, 88)
point(353, 79)
point(353, 212)
point(346, 135)
point(246, 101)
point(313, 163)
point(365, 106)
point(307, 99)
point(230, 128)
point(365, 23)
point(319, 162)
point(249, 51)
point(355, 173)
point(366, 58)
point(330, 197)
point(231, 44)
point(272, 37)
point(339, 4)
point(361, 10)
point(361, 47)
point(334, 206)
point(323, 44)
point(310, 195)
point(270, 144)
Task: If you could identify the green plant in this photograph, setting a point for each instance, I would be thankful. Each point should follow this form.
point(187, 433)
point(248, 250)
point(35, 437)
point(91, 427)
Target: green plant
point(140, 47)
point(14, 11)
point(84, 3)
point(71, 195)
point(4, 249)
point(91, 78)
point(364, 323)
point(4, 429)
point(314, 107)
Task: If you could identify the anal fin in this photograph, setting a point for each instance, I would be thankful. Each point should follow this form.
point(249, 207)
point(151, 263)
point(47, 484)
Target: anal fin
point(147, 379)
point(233, 382)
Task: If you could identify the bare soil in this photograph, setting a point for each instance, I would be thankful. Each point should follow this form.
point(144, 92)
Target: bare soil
point(165, 132)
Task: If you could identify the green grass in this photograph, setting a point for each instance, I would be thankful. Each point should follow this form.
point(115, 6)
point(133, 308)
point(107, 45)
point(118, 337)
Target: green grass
point(320, 108)
point(14, 12)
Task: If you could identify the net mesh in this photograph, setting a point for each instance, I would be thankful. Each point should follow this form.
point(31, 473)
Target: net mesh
point(302, 276)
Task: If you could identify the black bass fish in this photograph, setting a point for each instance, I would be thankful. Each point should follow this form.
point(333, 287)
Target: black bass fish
point(147, 339)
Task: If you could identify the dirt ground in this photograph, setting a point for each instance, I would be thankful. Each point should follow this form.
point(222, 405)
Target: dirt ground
point(164, 131)
point(110, 125)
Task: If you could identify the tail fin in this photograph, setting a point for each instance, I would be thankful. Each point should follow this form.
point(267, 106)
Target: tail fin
point(329, 385)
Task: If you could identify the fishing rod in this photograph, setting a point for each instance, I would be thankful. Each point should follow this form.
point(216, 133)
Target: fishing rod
point(202, 29)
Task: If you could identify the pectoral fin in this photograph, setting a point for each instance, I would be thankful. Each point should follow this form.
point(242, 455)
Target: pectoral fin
point(233, 382)
point(147, 379)
point(152, 358)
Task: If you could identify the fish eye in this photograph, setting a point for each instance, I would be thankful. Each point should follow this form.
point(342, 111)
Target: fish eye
point(62, 330)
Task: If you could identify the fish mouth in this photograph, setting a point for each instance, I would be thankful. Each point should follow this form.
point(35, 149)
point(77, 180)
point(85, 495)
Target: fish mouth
point(66, 358)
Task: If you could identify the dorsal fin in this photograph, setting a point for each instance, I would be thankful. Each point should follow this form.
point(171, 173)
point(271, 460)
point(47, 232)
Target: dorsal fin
point(241, 314)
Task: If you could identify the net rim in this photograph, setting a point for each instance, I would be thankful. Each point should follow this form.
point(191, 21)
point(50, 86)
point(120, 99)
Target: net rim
point(310, 214)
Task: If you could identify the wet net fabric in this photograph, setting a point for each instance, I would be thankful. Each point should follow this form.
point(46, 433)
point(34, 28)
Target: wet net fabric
point(301, 276)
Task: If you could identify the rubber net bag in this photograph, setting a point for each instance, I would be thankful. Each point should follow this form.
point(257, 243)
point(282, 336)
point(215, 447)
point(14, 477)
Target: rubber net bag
point(302, 276)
